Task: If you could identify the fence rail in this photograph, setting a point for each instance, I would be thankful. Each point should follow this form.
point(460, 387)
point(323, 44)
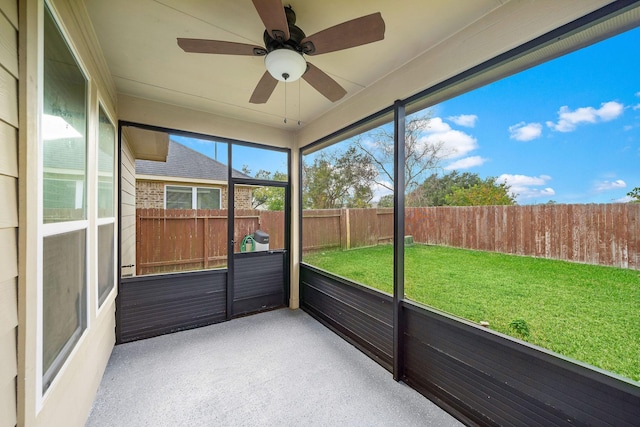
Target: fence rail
point(605, 234)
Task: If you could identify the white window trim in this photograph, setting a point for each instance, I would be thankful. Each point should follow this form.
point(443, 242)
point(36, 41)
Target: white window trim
point(106, 220)
point(194, 194)
point(49, 229)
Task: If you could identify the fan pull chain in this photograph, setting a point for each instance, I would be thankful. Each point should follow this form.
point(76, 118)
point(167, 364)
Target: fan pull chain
point(298, 102)
point(285, 100)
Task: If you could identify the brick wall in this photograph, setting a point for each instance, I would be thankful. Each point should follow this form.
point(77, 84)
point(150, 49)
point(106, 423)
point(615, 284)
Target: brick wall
point(150, 195)
point(242, 198)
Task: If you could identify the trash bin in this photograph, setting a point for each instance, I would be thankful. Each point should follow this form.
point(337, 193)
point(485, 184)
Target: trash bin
point(261, 240)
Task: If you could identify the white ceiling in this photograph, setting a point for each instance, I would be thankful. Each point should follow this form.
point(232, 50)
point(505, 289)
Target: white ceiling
point(138, 38)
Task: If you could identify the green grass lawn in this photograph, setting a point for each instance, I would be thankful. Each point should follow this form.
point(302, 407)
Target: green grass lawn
point(586, 312)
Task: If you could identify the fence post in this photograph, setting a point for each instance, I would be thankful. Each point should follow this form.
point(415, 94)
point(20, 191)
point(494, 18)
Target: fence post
point(205, 239)
point(348, 227)
point(138, 241)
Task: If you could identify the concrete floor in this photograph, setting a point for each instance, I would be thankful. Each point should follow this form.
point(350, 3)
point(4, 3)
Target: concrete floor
point(277, 368)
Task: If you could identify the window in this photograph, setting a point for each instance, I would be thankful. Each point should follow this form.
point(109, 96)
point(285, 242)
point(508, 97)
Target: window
point(106, 212)
point(64, 203)
point(192, 197)
point(523, 225)
point(347, 200)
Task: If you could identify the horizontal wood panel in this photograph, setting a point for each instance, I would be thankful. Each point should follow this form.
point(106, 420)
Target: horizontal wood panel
point(10, 10)
point(8, 201)
point(8, 305)
point(8, 98)
point(8, 362)
point(8, 403)
point(8, 46)
point(9, 251)
point(8, 150)
point(258, 282)
point(154, 305)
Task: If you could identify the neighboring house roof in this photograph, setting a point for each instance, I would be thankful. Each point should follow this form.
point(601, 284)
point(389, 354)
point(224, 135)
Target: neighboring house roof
point(183, 162)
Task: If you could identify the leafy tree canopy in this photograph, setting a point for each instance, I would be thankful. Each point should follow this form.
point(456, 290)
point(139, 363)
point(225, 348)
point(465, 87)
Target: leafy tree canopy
point(269, 198)
point(434, 190)
point(635, 195)
point(338, 179)
point(488, 192)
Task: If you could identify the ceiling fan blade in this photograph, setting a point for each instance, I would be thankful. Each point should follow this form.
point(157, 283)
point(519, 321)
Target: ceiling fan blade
point(264, 89)
point(359, 31)
point(220, 47)
point(273, 17)
point(323, 83)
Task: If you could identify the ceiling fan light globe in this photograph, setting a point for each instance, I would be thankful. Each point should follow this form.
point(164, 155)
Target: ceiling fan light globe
point(285, 65)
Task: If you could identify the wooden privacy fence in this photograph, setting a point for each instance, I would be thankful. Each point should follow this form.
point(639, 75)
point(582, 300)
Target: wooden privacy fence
point(184, 239)
point(605, 234)
point(345, 228)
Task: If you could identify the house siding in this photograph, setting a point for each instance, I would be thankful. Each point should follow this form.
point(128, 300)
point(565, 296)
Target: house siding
point(128, 203)
point(9, 211)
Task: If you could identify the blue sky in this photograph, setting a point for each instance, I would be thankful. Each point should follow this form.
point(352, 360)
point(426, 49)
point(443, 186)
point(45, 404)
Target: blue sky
point(567, 130)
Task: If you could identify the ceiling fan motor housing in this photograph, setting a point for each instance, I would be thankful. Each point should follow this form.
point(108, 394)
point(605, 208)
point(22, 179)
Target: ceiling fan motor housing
point(295, 35)
point(284, 59)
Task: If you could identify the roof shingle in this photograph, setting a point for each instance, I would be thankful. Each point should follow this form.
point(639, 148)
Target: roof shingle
point(183, 162)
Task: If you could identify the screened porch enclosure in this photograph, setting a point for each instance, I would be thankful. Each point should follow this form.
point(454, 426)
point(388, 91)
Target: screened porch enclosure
point(477, 375)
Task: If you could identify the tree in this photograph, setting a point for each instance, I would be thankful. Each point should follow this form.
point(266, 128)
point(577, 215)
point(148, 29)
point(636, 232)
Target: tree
point(421, 156)
point(269, 198)
point(336, 180)
point(386, 201)
point(434, 190)
point(635, 195)
point(488, 192)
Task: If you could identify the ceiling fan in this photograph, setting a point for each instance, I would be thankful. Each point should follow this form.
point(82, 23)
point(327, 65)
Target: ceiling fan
point(285, 45)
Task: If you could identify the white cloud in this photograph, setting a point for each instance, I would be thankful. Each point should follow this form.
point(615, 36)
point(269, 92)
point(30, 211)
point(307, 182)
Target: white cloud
point(523, 179)
point(454, 143)
point(467, 120)
point(638, 94)
point(437, 125)
point(524, 187)
point(466, 163)
point(525, 131)
point(625, 199)
point(379, 190)
point(601, 186)
point(568, 120)
point(636, 107)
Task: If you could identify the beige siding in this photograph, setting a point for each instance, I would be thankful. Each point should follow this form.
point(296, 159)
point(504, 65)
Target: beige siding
point(128, 221)
point(8, 98)
point(8, 150)
point(8, 46)
point(10, 9)
point(9, 211)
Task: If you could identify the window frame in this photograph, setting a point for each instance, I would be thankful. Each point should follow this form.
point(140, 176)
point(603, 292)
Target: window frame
point(53, 374)
point(102, 299)
point(194, 195)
